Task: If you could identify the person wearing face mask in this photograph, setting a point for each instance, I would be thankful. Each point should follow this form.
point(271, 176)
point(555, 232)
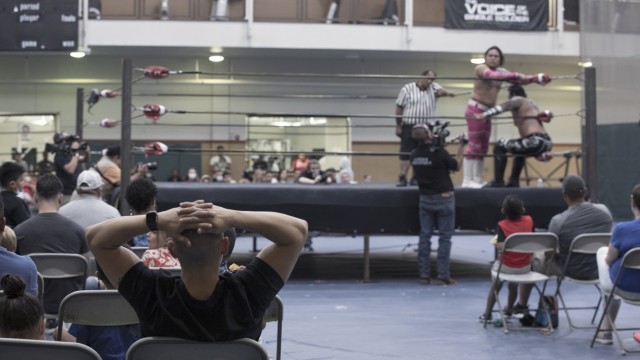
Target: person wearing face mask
point(192, 175)
point(11, 178)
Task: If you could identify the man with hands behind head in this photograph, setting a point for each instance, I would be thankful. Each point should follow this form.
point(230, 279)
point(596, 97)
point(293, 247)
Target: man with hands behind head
point(199, 304)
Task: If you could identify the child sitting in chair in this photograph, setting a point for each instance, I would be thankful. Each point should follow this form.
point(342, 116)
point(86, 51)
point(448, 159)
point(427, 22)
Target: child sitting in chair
point(512, 263)
point(158, 254)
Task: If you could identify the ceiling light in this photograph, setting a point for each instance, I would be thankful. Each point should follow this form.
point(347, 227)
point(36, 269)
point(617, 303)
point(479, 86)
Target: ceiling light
point(477, 61)
point(216, 58)
point(585, 64)
point(281, 123)
point(77, 54)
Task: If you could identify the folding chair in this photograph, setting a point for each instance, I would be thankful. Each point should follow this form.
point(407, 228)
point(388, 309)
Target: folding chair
point(40, 288)
point(525, 243)
point(275, 312)
point(630, 261)
point(163, 348)
point(70, 269)
point(45, 350)
point(96, 307)
point(585, 244)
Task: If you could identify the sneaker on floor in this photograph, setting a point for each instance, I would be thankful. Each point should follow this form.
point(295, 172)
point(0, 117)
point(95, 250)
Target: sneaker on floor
point(447, 281)
point(424, 281)
point(413, 182)
point(604, 338)
point(520, 309)
point(485, 318)
point(466, 183)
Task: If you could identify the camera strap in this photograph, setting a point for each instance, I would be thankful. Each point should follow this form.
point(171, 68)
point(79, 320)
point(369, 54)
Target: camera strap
point(95, 167)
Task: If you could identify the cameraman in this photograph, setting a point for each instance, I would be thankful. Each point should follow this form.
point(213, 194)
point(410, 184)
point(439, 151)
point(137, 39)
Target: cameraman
point(67, 164)
point(109, 169)
point(432, 165)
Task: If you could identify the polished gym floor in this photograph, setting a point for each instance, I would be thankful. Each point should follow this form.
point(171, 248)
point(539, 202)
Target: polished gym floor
point(329, 313)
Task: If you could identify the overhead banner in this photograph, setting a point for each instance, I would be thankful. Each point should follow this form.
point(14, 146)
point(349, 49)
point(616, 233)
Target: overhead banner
point(517, 15)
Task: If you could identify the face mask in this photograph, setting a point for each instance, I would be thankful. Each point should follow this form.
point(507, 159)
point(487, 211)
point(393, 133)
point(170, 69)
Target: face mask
point(192, 175)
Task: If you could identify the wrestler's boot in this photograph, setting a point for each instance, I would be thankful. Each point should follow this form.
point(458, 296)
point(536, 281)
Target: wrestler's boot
point(467, 176)
point(518, 165)
point(478, 171)
point(499, 166)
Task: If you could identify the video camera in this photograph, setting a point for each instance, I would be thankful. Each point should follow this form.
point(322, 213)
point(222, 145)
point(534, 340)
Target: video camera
point(62, 143)
point(151, 166)
point(440, 132)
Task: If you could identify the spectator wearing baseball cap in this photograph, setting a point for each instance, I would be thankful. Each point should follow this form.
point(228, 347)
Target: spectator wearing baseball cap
point(88, 208)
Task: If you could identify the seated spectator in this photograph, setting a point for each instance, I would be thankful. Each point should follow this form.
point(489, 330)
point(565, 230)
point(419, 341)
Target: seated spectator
point(45, 166)
point(11, 263)
point(367, 178)
point(197, 228)
point(301, 163)
point(283, 177)
point(88, 208)
point(623, 239)
point(15, 209)
point(141, 196)
point(158, 254)
point(258, 175)
point(109, 169)
point(581, 217)
point(192, 176)
point(313, 175)
point(175, 176)
point(512, 263)
point(269, 178)
point(110, 342)
point(260, 163)
point(345, 174)
point(50, 232)
point(227, 178)
point(205, 178)
point(21, 314)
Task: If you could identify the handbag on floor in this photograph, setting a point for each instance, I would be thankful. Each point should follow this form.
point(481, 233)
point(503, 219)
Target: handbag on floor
point(550, 303)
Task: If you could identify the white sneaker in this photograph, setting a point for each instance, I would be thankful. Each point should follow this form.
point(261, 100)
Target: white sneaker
point(466, 183)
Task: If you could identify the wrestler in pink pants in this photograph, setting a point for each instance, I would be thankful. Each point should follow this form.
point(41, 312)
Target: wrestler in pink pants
point(479, 134)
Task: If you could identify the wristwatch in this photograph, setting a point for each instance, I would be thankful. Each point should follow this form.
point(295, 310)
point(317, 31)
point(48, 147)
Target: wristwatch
point(152, 220)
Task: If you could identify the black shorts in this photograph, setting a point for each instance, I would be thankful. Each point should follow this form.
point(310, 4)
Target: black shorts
point(407, 143)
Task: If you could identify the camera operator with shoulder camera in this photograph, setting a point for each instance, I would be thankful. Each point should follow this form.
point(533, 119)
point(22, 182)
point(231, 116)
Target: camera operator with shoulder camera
point(109, 169)
point(70, 154)
point(432, 165)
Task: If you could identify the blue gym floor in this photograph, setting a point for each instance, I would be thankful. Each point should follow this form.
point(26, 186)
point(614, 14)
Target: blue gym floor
point(329, 313)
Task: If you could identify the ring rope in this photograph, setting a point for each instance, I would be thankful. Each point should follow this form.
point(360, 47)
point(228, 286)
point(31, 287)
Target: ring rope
point(343, 76)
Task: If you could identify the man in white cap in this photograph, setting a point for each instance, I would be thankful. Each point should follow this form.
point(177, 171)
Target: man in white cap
point(88, 208)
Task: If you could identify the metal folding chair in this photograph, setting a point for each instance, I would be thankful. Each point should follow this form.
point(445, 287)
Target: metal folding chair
point(162, 348)
point(525, 243)
point(96, 307)
point(68, 270)
point(45, 350)
point(585, 244)
point(630, 261)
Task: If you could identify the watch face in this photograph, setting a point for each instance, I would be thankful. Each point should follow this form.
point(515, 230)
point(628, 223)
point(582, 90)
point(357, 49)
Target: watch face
point(152, 221)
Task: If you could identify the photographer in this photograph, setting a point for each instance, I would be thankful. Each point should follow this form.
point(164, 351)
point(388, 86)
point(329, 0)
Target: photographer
point(109, 169)
point(432, 165)
point(67, 161)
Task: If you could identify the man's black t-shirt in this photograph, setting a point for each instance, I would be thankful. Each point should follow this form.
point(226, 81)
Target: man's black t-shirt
point(15, 209)
point(431, 166)
point(234, 310)
point(68, 180)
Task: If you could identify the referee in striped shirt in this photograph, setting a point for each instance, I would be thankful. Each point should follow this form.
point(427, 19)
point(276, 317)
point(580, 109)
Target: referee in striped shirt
point(416, 104)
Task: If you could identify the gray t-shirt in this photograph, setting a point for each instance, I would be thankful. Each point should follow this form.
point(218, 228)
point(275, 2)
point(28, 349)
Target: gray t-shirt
point(579, 219)
point(88, 210)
